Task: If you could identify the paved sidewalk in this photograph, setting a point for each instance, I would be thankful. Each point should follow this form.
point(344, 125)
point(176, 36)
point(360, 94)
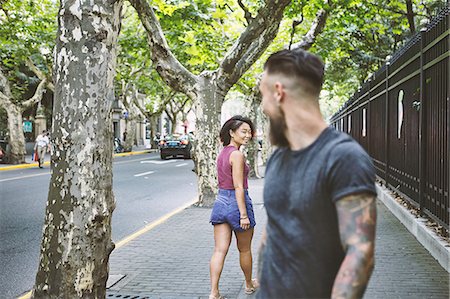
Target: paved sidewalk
point(171, 260)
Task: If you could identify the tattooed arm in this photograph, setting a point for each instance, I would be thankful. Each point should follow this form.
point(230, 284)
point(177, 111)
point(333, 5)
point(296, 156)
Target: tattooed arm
point(357, 221)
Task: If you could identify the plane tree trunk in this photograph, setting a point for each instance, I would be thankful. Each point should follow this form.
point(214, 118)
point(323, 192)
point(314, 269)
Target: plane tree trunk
point(76, 241)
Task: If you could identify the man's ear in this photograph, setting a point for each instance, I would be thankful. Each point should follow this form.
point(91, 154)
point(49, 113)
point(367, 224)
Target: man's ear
point(279, 92)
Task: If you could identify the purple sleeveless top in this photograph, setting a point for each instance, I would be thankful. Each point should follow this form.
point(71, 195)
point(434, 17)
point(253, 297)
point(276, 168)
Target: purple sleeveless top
point(224, 169)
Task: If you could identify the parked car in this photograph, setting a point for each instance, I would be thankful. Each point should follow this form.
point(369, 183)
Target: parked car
point(175, 145)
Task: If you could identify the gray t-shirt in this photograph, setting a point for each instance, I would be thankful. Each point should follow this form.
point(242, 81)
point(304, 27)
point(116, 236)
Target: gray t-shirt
point(303, 252)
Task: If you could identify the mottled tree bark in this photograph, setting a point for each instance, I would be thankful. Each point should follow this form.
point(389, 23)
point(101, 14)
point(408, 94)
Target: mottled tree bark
point(252, 111)
point(207, 107)
point(266, 148)
point(127, 98)
point(76, 243)
point(131, 132)
point(14, 110)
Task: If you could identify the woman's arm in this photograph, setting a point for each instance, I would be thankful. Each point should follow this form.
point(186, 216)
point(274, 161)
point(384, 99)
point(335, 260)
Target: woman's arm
point(237, 167)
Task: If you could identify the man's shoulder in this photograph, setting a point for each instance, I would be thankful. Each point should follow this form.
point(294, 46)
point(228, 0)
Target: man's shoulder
point(342, 143)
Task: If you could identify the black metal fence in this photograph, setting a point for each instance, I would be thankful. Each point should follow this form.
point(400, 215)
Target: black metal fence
point(401, 116)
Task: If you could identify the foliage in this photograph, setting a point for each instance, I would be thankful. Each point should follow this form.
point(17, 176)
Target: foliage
point(357, 38)
point(202, 31)
point(27, 30)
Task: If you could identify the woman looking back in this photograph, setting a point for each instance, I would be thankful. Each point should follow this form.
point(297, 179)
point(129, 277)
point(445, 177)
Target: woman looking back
point(233, 209)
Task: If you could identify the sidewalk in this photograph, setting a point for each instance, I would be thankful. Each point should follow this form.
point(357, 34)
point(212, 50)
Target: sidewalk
point(171, 260)
point(30, 164)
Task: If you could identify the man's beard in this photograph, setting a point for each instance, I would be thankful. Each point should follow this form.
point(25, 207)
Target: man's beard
point(278, 130)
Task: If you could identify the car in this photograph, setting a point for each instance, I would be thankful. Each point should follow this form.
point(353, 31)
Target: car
point(175, 145)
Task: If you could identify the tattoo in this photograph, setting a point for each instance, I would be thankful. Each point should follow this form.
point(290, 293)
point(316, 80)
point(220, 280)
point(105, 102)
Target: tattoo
point(357, 221)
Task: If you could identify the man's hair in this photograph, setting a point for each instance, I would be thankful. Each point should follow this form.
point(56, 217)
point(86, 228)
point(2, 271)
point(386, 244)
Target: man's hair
point(233, 124)
point(307, 68)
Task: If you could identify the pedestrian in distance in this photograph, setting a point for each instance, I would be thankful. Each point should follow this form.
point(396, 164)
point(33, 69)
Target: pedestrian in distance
point(233, 209)
point(319, 191)
point(42, 144)
point(125, 133)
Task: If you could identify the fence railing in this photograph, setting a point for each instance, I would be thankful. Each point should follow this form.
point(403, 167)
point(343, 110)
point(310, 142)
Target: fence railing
point(401, 116)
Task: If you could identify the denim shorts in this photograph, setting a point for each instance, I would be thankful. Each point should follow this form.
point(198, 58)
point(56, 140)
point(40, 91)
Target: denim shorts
point(225, 210)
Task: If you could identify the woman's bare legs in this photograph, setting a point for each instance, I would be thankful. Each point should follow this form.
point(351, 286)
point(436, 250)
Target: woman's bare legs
point(244, 243)
point(222, 240)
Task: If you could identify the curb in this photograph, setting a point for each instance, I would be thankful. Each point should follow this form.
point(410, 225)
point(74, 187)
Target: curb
point(439, 249)
point(31, 165)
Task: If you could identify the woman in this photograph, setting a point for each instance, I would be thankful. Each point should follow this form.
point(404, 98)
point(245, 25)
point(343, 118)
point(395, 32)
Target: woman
point(233, 210)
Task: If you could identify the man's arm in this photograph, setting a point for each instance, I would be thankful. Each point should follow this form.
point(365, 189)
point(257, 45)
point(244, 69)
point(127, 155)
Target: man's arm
point(262, 245)
point(357, 220)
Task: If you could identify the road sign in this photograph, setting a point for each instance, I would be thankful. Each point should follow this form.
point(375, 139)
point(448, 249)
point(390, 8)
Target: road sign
point(27, 126)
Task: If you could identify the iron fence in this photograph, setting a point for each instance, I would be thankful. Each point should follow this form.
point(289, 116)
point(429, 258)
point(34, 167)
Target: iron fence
point(401, 116)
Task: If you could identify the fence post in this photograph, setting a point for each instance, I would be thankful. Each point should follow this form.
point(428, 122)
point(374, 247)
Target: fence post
point(387, 123)
point(422, 126)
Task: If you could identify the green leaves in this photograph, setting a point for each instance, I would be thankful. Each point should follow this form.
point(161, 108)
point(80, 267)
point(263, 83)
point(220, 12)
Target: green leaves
point(27, 30)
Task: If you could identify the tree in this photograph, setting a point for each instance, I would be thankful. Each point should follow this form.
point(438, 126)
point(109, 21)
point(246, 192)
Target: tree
point(27, 32)
point(128, 97)
point(76, 242)
point(14, 110)
point(133, 70)
point(209, 88)
point(176, 107)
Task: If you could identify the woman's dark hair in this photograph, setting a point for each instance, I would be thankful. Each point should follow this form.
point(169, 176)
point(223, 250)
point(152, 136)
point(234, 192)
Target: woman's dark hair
point(233, 124)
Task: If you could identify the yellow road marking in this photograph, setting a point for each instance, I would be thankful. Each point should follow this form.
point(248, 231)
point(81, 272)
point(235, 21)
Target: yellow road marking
point(140, 232)
point(26, 296)
point(30, 165)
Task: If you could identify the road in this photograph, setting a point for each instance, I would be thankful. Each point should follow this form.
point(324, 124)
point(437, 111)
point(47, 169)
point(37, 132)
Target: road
point(145, 189)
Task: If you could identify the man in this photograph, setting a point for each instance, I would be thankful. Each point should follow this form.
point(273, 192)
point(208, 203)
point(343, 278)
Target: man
point(319, 191)
point(41, 145)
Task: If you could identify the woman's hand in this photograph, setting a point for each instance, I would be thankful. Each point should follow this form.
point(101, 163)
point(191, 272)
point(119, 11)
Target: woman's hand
point(245, 223)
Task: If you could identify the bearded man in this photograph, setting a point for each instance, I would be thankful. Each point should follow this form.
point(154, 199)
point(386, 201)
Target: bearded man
point(319, 191)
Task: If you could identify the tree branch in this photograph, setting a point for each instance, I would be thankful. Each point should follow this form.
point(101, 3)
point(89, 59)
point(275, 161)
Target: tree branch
point(295, 23)
point(37, 95)
point(39, 74)
point(167, 66)
point(252, 42)
point(316, 28)
point(134, 70)
point(4, 85)
point(410, 16)
point(161, 108)
point(247, 14)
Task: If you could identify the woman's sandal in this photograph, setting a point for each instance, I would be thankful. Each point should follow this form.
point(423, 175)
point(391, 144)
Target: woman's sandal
point(251, 290)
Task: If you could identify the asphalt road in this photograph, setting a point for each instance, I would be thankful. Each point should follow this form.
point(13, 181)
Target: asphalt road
point(145, 189)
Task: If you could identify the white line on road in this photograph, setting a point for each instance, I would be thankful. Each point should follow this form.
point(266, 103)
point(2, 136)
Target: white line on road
point(23, 177)
point(144, 173)
point(158, 162)
point(134, 160)
point(182, 164)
